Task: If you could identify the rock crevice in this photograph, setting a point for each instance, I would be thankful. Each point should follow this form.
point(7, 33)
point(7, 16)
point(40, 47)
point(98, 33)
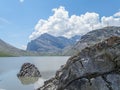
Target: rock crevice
point(94, 75)
point(94, 68)
point(29, 70)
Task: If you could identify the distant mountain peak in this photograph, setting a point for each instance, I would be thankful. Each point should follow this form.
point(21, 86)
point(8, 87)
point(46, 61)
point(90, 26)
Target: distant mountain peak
point(45, 34)
point(50, 43)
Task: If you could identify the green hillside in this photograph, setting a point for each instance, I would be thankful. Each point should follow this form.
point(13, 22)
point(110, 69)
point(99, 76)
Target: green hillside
point(8, 50)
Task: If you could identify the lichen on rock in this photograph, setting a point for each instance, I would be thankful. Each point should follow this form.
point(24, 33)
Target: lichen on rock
point(94, 68)
point(29, 70)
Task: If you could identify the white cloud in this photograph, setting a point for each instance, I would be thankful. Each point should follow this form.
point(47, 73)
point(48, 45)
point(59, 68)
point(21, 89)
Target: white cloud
point(110, 21)
point(21, 1)
point(117, 14)
point(61, 24)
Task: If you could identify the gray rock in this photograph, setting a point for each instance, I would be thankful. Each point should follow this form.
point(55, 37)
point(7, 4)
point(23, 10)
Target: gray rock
point(29, 70)
point(93, 37)
point(94, 68)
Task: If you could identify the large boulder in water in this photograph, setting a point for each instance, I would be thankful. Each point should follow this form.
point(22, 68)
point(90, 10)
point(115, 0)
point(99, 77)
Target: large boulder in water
point(29, 70)
point(94, 68)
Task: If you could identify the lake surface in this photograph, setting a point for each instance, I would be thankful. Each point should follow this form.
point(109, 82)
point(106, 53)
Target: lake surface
point(10, 66)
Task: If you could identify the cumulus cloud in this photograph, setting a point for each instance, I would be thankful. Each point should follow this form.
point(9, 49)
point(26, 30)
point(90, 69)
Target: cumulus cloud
point(117, 14)
point(62, 24)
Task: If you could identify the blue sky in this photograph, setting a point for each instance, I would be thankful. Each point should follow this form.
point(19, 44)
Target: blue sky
point(18, 18)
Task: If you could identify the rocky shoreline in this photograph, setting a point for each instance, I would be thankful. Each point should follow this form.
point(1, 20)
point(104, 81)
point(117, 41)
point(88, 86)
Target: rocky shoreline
point(94, 68)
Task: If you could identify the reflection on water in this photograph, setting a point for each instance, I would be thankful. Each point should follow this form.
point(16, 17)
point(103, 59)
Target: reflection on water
point(10, 66)
point(28, 80)
point(39, 83)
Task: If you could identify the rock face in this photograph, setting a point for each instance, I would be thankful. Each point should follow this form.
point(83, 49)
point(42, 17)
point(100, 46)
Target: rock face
point(94, 68)
point(29, 70)
point(92, 38)
point(47, 43)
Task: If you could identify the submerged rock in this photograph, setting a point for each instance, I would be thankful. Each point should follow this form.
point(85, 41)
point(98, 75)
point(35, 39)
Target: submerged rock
point(29, 70)
point(28, 80)
point(94, 68)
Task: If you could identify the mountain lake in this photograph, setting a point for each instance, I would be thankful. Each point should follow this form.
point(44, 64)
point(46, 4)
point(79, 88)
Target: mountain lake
point(10, 66)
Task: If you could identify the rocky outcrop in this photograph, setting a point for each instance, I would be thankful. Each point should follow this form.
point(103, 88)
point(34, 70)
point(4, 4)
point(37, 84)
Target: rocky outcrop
point(94, 68)
point(93, 37)
point(29, 70)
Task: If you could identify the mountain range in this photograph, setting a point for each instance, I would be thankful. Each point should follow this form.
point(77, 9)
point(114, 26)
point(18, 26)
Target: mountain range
point(49, 44)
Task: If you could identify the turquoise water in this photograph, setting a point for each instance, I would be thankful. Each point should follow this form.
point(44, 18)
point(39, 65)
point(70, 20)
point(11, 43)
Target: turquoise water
point(10, 66)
